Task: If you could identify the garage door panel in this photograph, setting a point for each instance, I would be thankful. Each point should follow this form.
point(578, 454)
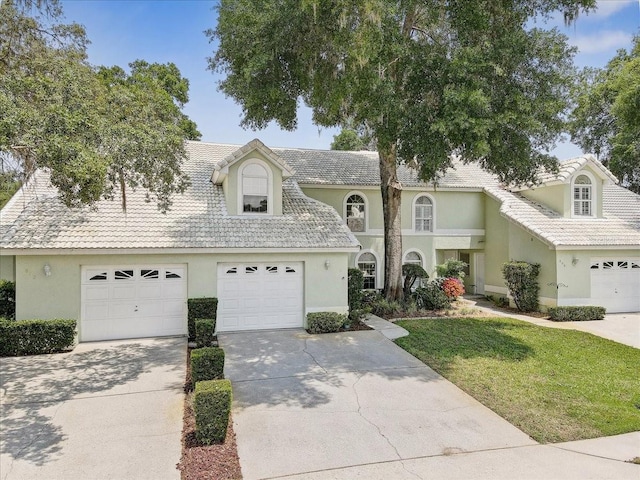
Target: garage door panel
point(123, 292)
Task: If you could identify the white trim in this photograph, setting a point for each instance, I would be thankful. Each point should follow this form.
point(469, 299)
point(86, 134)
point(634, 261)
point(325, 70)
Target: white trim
point(378, 264)
point(597, 247)
point(438, 233)
point(594, 194)
point(495, 289)
point(240, 205)
point(414, 250)
point(339, 186)
point(433, 213)
point(366, 209)
point(173, 251)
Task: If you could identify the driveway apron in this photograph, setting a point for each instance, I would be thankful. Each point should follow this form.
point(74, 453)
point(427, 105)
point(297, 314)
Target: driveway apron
point(315, 403)
point(105, 410)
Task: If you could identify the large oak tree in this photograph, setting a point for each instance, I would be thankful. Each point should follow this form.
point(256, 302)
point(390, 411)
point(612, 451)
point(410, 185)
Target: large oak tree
point(429, 79)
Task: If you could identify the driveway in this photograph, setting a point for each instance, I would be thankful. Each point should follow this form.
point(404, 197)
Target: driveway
point(105, 410)
point(355, 405)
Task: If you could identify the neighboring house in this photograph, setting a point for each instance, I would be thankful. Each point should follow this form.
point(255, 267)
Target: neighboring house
point(271, 233)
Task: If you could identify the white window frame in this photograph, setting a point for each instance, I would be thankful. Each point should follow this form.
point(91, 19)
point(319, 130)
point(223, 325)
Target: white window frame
point(366, 209)
point(592, 192)
point(377, 259)
point(433, 213)
point(247, 163)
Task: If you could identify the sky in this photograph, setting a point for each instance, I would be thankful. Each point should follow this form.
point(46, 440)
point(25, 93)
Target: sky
point(162, 31)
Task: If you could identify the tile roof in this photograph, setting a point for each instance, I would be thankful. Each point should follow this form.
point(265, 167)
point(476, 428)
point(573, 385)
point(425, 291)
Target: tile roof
point(36, 219)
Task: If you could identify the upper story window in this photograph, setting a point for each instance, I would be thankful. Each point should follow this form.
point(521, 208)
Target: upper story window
point(356, 213)
point(582, 196)
point(423, 214)
point(255, 189)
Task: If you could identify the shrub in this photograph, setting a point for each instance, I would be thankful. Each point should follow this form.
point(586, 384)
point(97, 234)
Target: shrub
point(431, 297)
point(7, 299)
point(325, 322)
point(211, 405)
point(32, 337)
point(355, 287)
point(452, 269)
point(206, 307)
point(412, 273)
point(207, 363)
point(452, 287)
point(521, 280)
point(205, 328)
point(576, 313)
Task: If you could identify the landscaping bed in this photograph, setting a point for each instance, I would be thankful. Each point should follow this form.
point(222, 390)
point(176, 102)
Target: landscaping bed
point(555, 385)
point(206, 462)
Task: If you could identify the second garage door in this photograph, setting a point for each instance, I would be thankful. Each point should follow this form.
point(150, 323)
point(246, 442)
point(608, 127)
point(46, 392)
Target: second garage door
point(615, 284)
point(258, 296)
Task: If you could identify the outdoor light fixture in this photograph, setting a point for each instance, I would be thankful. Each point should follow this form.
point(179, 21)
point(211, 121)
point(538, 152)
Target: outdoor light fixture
point(47, 270)
point(574, 261)
point(327, 264)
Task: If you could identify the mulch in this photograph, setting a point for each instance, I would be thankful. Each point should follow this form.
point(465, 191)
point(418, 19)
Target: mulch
point(205, 462)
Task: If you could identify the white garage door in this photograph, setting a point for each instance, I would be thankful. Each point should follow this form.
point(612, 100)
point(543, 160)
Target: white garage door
point(133, 301)
point(256, 296)
point(615, 284)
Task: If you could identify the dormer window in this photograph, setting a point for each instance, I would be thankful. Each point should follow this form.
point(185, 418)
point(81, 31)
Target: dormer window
point(255, 189)
point(582, 196)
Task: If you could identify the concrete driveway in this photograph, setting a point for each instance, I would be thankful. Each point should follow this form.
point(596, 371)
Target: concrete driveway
point(106, 410)
point(355, 405)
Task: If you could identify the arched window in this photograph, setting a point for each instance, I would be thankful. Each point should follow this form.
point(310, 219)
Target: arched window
point(582, 196)
point(423, 214)
point(255, 189)
point(413, 257)
point(367, 263)
point(356, 213)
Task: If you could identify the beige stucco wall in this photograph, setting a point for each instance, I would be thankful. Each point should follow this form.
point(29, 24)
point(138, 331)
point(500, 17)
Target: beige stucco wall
point(58, 295)
point(497, 247)
point(7, 267)
point(555, 197)
point(231, 184)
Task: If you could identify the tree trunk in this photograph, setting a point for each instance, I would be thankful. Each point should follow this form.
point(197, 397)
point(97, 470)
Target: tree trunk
point(391, 197)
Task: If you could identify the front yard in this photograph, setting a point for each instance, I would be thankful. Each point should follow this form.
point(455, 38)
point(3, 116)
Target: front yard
point(555, 385)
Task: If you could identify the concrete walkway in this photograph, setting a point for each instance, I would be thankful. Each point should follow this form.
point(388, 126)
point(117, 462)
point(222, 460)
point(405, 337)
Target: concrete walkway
point(354, 405)
point(107, 410)
point(620, 327)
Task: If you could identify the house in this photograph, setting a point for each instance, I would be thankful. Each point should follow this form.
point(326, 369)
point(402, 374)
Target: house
point(272, 231)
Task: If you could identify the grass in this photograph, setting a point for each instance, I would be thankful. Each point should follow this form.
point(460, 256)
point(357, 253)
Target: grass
point(555, 385)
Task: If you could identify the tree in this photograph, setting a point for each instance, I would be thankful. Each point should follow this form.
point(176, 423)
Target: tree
point(348, 139)
point(430, 79)
point(606, 117)
point(97, 132)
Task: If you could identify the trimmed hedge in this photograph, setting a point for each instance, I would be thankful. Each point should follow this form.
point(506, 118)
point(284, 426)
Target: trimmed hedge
point(576, 313)
point(354, 291)
point(325, 322)
point(7, 299)
point(206, 307)
point(205, 328)
point(32, 337)
point(212, 405)
point(521, 279)
point(431, 297)
point(207, 364)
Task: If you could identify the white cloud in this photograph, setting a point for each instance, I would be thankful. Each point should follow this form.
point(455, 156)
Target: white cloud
point(606, 8)
point(602, 41)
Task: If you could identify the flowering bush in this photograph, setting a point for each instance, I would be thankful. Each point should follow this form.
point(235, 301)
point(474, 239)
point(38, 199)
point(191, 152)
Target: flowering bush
point(452, 287)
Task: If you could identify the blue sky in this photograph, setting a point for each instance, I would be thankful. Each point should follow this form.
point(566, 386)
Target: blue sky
point(163, 31)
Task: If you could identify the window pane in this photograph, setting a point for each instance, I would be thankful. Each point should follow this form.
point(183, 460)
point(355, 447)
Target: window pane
point(123, 274)
point(255, 203)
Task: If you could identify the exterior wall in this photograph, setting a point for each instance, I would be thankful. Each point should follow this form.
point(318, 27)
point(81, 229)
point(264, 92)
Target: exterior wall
point(230, 184)
point(497, 247)
point(7, 267)
point(556, 197)
point(574, 274)
point(58, 295)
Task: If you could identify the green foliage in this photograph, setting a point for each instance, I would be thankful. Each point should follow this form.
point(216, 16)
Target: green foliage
point(355, 286)
point(9, 184)
point(212, 406)
point(431, 297)
point(606, 118)
point(411, 273)
point(7, 299)
point(583, 386)
point(325, 322)
point(32, 337)
point(205, 328)
point(576, 313)
point(521, 279)
point(205, 307)
point(349, 140)
point(452, 269)
point(207, 363)
point(97, 131)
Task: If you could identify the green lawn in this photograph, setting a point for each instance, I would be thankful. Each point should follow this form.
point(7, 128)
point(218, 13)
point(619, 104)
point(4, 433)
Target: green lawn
point(555, 385)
